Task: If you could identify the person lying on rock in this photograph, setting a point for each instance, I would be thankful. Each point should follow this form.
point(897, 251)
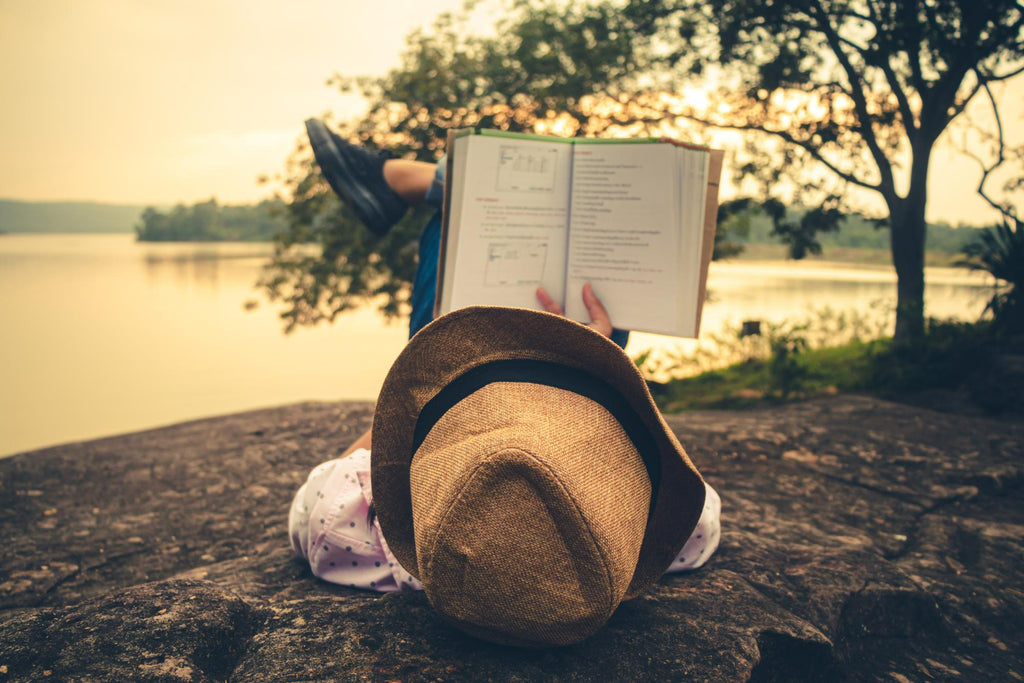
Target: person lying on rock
point(518, 472)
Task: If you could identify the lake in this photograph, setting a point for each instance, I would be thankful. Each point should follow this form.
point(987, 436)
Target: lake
point(102, 335)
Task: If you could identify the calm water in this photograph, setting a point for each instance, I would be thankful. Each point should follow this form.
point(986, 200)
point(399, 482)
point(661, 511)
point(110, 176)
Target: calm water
point(101, 335)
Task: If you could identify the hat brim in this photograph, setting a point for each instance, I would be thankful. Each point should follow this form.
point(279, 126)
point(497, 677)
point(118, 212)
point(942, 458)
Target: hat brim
point(476, 336)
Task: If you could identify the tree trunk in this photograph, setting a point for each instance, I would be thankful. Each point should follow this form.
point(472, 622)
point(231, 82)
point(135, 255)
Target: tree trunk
point(908, 257)
point(907, 240)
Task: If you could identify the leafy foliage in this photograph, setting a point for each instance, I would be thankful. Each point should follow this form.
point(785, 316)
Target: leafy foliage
point(818, 329)
point(802, 234)
point(956, 367)
point(786, 368)
point(794, 368)
point(798, 229)
point(829, 94)
point(549, 68)
point(553, 68)
point(327, 263)
point(734, 220)
point(855, 93)
point(853, 231)
point(999, 251)
point(953, 357)
point(210, 222)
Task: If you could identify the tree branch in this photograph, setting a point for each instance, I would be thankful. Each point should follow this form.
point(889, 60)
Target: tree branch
point(986, 171)
point(859, 48)
point(846, 13)
point(790, 139)
point(992, 78)
point(906, 112)
point(958, 107)
point(916, 74)
point(887, 185)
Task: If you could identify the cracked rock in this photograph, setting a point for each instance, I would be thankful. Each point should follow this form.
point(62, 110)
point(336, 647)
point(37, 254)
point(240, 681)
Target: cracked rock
point(862, 540)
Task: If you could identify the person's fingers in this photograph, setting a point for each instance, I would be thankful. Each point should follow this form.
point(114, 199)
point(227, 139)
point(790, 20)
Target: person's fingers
point(595, 308)
point(549, 304)
point(599, 318)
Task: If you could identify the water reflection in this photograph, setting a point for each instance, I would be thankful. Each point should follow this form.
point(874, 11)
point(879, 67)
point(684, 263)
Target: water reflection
point(103, 335)
point(201, 265)
point(779, 290)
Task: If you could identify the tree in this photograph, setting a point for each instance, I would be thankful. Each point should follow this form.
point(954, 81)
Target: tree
point(210, 222)
point(859, 89)
point(857, 92)
point(548, 68)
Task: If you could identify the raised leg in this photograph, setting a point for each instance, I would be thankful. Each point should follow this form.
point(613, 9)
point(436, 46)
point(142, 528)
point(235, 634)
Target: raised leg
point(410, 180)
point(357, 176)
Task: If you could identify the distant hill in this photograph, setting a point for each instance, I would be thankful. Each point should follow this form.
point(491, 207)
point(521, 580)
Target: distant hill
point(859, 232)
point(53, 217)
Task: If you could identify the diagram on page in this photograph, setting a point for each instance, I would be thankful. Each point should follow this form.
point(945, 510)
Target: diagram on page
point(515, 264)
point(526, 169)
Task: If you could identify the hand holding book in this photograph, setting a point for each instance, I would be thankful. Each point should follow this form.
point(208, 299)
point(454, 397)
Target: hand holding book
point(599, 320)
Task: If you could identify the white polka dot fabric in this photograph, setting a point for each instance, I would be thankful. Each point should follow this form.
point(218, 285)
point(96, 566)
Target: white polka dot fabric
point(330, 527)
point(703, 542)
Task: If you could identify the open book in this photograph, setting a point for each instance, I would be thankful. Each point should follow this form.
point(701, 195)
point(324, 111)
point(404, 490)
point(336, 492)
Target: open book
point(633, 217)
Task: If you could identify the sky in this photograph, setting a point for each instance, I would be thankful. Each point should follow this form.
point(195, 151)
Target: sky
point(160, 101)
point(163, 101)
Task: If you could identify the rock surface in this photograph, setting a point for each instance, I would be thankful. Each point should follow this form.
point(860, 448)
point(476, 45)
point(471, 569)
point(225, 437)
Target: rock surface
point(862, 540)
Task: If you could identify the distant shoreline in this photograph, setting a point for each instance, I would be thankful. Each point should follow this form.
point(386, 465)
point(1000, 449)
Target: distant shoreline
point(858, 256)
point(71, 217)
point(840, 256)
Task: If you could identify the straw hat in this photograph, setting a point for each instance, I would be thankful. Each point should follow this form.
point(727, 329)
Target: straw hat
point(523, 474)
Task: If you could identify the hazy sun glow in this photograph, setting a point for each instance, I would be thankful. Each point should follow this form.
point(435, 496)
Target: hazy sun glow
point(129, 102)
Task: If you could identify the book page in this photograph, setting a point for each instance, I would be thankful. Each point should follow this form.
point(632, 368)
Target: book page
point(693, 166)
point(714, 173)
point(625, 234)
point(507, 233)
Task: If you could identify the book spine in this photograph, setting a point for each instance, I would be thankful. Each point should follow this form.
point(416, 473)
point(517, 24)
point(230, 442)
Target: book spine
point(446, 212)
point(568, 224)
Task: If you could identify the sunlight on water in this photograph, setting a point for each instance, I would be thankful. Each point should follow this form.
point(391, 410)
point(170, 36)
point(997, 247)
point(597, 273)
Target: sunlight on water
point(779, 290)
point(101, 335)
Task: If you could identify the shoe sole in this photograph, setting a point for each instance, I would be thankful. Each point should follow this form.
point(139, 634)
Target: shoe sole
point(335, 170)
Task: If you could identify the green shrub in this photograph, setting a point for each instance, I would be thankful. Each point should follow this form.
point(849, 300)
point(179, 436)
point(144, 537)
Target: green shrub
point(959, 361)
point(954, 356)
point(999, 251)
point(819, 328)
point(949, 352)
point(786, 369)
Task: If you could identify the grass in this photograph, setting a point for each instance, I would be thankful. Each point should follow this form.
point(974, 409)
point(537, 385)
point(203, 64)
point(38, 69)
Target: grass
point(958, 367)
point(824, 371)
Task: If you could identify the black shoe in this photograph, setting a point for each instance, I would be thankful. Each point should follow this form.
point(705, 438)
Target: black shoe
point(357, 176)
